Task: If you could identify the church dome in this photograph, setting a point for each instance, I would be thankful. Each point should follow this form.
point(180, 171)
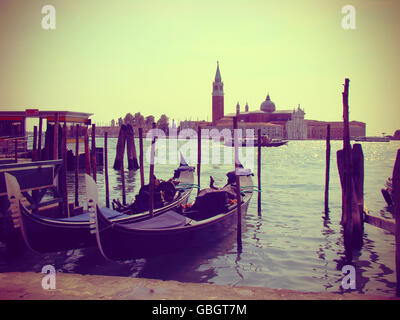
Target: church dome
point(267, 105)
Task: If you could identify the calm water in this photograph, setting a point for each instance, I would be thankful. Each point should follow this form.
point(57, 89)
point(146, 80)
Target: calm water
point(290, 246)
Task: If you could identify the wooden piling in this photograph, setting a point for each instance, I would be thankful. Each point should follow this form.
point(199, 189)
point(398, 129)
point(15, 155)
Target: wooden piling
point(353, 227)
point(198, 158)
point(39, 153)
point(259, 171)
point(34, 144)
point(131, 148)
point(35, 193)
point(123, 174)
point(347, 177)
point(55, 137)
point(48, 144)
point(77, 166)
point(87, 151)
point(340, 165)
point(396, 201)
point(151, 177)
point(141, 167)
point(93, 153)
point(64, 171)
point(327, 170)
point(107, 184)
point(120, 148)
point(238, 191)
point(358, 174)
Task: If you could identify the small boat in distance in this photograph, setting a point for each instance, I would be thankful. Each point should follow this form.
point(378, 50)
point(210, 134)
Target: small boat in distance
point(373, 139)
point(265, 142)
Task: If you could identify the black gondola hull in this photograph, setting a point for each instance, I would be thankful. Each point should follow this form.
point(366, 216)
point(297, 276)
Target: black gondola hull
point(119, 242)
point(119, 245)
point(43, 234)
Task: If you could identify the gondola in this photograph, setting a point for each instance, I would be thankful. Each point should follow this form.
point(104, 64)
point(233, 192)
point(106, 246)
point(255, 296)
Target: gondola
point(43, 234)
point(166, 233)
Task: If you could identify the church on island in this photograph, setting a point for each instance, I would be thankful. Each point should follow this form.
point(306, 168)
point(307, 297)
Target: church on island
point(276, 124)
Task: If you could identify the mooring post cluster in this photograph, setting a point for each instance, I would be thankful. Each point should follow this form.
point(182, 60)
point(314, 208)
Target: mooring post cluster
point(125, 138)
point(351, 170)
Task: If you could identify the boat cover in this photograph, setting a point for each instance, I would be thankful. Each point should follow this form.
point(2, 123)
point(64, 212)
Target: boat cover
point(169, 219)
point(109, 213)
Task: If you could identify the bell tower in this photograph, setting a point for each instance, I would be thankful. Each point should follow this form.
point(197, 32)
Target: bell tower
point(217, 97)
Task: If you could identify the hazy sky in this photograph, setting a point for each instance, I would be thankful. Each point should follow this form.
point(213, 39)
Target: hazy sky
point(113, 57)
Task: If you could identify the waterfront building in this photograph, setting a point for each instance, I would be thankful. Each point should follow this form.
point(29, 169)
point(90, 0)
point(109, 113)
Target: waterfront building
point(317, 129)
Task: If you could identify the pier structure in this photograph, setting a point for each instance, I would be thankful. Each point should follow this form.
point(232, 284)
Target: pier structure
point(64, 145)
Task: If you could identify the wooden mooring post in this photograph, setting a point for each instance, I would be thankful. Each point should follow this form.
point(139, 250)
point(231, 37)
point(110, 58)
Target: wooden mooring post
point(34, 146)
point(151, 177)
point(352, 214)
point(238, 191)
point(64, 186)
point(77, 165)
point(358, 176)
point(259, 171)
point(141, 167)
point(106, 170)
point(198, 158)
point(327, 170)
point(39, 153)
point(131, 148)
point(126, 137)
point(93, 153)
point(87, 151)
point(35, 193)
point(48, 145)
point(123, 174)
point(120, 148)
point(55, 137)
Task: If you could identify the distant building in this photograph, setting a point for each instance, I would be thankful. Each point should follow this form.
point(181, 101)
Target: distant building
point(287, 124)
point(317, 129)
point(277, 124)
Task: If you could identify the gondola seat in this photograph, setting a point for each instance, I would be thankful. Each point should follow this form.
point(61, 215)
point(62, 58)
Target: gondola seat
point(170, 219)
